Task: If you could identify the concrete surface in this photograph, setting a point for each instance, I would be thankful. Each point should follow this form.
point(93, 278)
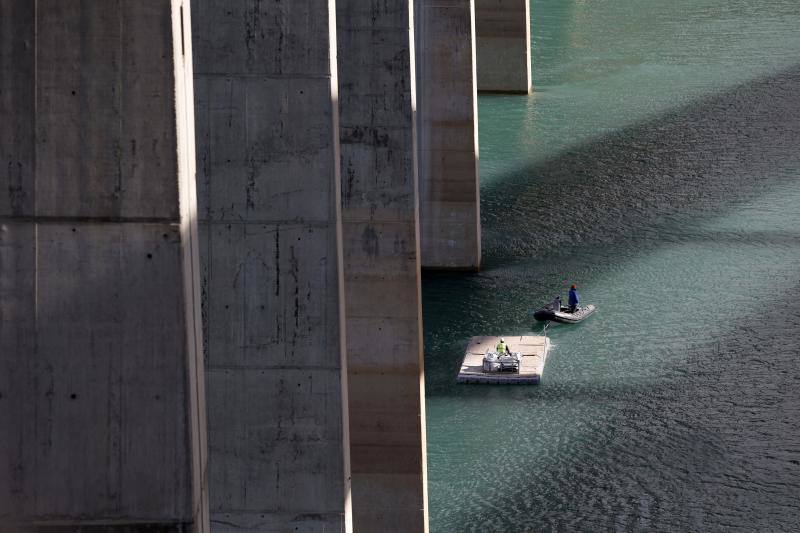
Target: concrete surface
point(381, 265)
point(268, 181)
point(447, 124)
point(503, 30)
point(101, 419)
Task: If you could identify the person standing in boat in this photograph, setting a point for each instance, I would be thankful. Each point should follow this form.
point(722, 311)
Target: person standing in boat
point(574, 298)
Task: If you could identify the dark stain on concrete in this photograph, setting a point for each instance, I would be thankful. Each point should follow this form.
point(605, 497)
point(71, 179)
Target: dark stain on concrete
point(370, 242)
point(277, 261)
point(16, 194)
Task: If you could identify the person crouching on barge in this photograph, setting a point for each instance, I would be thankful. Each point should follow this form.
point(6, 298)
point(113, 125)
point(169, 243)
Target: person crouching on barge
point(501, 347)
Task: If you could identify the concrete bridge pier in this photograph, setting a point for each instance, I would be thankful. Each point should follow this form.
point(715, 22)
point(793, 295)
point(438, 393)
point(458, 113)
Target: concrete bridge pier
point(309, 263)
point(278, 116)
point(102, 421)
point(503, 42)
point(381, 265)
point(270, 221)
point(447, 125)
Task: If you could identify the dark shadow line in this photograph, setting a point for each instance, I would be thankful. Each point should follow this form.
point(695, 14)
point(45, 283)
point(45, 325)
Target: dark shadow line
point(689, 164)
point(693, 161)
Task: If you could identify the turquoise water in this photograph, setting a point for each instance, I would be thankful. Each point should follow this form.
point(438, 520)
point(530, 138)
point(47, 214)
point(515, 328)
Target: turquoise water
point(657, 165)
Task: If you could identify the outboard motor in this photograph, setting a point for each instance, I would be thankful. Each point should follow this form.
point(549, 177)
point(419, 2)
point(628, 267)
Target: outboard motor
point(548, 311)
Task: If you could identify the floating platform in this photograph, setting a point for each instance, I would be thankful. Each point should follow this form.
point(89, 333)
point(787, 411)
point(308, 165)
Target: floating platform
point(532, 348)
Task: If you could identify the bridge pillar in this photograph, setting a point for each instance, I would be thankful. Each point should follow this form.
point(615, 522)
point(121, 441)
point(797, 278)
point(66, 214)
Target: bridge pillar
point(101, 377)
point(447, 125)
point(381, 265)
point(503, 29)
point(268, 176)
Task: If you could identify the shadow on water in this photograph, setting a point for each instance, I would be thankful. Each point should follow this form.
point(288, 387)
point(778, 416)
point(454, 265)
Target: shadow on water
point(590, 208)
point(668, 457)
point(663, 455)
point(693, 161)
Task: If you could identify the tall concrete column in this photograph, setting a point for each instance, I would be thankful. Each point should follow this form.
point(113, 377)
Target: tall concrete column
point(268, 175)
point(381, 265)
point(447, 125)
point(101, 401)
point(503, 29)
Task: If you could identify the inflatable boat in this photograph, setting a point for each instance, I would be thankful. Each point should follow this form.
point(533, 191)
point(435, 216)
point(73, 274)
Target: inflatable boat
point(558, 313)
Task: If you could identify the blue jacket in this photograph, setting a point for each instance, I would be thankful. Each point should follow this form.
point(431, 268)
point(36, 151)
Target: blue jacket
point(573, 297)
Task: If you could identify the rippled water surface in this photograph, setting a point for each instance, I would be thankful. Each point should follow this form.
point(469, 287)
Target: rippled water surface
point(658, 166)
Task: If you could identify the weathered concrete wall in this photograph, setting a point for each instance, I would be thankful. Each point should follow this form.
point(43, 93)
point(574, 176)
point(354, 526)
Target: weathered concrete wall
point(503, 29)
point(447, 125)
point(269, 185)
point(381, 265)
point(101, 421)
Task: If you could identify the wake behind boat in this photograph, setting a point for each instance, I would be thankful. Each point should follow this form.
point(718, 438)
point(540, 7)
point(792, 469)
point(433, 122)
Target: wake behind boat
point(558, 313)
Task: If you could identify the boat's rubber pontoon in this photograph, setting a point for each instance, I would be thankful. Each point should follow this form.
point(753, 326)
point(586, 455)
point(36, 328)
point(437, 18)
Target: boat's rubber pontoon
point(558, 313)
